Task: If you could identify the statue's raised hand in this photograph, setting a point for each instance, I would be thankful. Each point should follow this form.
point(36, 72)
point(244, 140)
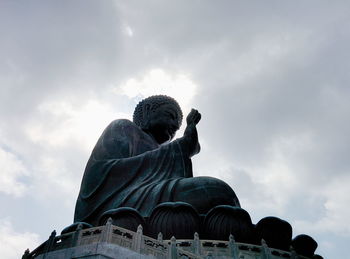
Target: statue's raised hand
point(193, 117)
point(190, 134)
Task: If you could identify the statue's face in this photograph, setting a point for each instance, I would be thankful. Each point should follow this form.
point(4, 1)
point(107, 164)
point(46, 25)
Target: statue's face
point(162, 123)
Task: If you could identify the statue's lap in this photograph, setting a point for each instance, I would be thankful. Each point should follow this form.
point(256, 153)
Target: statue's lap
point(204, 193)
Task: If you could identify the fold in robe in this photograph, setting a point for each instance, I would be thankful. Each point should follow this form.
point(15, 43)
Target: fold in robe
point(128, 168)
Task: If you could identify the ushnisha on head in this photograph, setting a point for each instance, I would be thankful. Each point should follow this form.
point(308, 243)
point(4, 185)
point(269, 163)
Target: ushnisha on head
point(160, 116)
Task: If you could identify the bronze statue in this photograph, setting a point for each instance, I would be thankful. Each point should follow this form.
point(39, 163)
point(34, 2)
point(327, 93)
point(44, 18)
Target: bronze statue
point(135, 164)
point(137, 176)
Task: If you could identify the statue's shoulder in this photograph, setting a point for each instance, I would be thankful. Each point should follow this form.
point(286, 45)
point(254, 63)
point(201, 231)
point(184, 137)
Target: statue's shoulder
point(119, 132)
point(123, 126)
point(122, 123)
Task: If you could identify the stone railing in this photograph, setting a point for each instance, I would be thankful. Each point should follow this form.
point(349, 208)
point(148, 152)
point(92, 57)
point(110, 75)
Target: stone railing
point(231, 249)
point(170, 249)
point(134, 241)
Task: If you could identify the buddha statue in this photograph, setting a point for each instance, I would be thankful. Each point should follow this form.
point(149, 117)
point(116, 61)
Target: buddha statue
point(137, 178)
point(136, 164)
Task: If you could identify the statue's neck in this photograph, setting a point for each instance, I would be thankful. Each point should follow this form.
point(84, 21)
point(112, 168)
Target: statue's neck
point(151, 136)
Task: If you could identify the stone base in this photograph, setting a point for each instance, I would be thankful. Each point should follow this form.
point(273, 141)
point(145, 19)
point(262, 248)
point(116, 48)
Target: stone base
point(94, 251)
point(114, 242)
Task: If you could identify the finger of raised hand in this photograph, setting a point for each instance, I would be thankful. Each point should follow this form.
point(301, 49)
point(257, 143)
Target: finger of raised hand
point(191, 116)
point(197, 118)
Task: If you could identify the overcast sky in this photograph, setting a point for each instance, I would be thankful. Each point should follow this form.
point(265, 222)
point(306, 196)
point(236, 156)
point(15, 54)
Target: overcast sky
point(271, 79)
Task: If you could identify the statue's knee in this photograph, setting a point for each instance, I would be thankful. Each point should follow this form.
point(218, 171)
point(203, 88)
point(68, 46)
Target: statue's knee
point(211, 183)
point(204, 193)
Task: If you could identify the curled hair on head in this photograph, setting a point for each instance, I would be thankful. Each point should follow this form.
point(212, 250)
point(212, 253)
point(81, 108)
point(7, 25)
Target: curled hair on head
point(155, 101)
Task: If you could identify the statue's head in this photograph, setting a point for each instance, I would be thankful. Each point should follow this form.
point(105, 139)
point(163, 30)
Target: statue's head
point(160, 116)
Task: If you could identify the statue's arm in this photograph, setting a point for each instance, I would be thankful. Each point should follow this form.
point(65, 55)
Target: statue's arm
point(189, 141)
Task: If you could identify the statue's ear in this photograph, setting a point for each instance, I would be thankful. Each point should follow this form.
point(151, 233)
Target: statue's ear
point(145, 115)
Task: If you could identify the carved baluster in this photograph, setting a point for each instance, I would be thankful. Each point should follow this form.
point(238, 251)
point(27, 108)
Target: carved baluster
point(233, 247)
point(160, 237)
point(215, 250)
point(196, 244)
point(76, 236)
point(266, 253)
point(107, 231)
point(293, 254)
point(172, 249)
point(137, 240)
point(26, 254)
point(49, 243)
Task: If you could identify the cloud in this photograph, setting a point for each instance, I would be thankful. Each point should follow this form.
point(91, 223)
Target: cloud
point(69, 124)
point(157, 81)
point(56, 46)
point(12, 170)
point(14, 243)
point(336, 194)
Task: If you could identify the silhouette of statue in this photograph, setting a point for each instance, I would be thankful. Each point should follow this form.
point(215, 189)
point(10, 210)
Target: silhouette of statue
point(135, 164)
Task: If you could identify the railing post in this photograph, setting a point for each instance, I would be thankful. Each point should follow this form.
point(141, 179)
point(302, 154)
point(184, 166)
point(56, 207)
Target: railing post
point(293, 254)
point(26, 254)
point(196, 244)
point(137, 240)
point(76, 235)
point(49, 243)
point(107, 231)
point(266, 253)
point(233, 247)
point(172, 249)
point(160, 237)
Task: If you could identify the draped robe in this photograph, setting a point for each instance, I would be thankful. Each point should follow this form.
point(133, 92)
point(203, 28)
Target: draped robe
point(128, 168)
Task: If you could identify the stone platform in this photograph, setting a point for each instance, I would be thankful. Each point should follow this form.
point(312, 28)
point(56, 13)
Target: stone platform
point(111, 241)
